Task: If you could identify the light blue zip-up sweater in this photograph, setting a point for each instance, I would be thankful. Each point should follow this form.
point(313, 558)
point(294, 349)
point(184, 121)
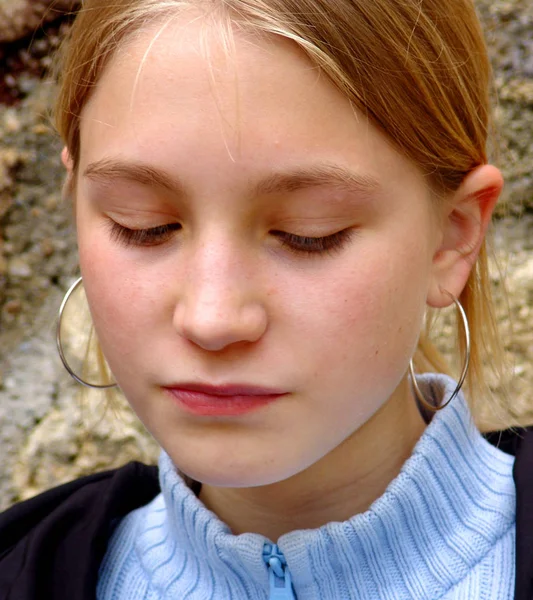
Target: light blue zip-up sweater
point(443, 529)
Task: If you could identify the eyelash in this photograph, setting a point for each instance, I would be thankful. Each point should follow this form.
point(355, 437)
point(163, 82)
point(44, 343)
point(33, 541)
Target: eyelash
point(154, 236)
point(297, 244)
point(328, 244)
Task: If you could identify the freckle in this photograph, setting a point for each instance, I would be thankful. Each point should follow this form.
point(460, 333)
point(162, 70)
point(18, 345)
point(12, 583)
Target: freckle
point(377, 352)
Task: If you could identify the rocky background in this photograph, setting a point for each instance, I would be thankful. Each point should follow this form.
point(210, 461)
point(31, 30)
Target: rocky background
point(49, 432)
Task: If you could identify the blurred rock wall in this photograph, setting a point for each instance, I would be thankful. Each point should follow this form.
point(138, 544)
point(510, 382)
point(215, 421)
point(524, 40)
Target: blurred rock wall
point(48, 432)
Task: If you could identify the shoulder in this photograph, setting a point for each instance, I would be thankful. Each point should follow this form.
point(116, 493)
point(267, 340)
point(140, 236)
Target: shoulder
point(519, 443)
point(51, 546)
point(516, 441)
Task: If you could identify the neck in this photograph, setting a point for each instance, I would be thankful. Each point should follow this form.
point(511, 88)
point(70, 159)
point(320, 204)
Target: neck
point(348, 479)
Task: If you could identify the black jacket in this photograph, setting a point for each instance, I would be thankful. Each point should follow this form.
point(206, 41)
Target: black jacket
point(51, 546)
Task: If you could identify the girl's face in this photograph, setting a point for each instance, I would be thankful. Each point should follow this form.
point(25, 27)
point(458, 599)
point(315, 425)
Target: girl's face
point(237, 163)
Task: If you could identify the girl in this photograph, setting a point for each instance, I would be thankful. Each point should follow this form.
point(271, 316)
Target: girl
point(269, 196)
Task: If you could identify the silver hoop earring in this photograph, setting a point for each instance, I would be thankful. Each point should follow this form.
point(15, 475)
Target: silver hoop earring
point(459, 385)
point(70, 291)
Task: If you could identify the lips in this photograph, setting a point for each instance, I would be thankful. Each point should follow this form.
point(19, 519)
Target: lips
point(222, 400)
point(231, 389)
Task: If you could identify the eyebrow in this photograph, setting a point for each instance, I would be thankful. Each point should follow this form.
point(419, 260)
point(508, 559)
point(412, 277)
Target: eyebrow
point(321, 174)
point(316, 175)
point(107, 170)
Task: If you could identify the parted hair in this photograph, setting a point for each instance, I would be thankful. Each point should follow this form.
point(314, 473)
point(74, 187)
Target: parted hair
point(418, 69)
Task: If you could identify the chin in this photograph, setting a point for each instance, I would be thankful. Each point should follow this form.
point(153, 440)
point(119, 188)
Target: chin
point(232, 474)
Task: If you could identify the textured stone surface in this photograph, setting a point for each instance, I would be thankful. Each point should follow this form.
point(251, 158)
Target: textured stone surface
point(78, 438)
point(509, 27)
point(19, 18)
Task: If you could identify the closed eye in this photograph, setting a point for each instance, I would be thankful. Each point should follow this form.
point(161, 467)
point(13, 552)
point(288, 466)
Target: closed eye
point(297, 244)
point(327, 244)
point(153, 236)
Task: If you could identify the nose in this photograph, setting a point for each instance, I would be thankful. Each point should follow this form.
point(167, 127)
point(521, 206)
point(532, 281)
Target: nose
point(219, 305)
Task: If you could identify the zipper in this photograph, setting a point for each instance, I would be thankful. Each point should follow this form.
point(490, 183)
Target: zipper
point(278, 573)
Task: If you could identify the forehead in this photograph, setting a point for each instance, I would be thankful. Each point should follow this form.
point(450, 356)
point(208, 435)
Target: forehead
point(185, 92)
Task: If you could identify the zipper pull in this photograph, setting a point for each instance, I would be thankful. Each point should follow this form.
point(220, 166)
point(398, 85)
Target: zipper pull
point(278, 573)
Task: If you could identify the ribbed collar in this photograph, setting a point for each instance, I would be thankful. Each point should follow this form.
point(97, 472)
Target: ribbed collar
point(452, 501)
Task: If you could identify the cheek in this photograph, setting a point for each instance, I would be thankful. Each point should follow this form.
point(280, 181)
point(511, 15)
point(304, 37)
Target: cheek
point(119, 297)
point(367, 318)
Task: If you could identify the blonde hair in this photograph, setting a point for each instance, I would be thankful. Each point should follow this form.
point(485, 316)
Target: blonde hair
point(418, 70)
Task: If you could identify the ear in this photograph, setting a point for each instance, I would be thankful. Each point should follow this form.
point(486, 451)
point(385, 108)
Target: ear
point(69, 166)
point(466, 218)
point(67, 160)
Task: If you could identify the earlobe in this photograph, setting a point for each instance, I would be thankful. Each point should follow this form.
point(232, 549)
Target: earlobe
point(465, 224)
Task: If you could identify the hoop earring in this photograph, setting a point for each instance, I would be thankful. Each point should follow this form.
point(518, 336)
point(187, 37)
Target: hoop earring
point(459, 385)
point(71, 289)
